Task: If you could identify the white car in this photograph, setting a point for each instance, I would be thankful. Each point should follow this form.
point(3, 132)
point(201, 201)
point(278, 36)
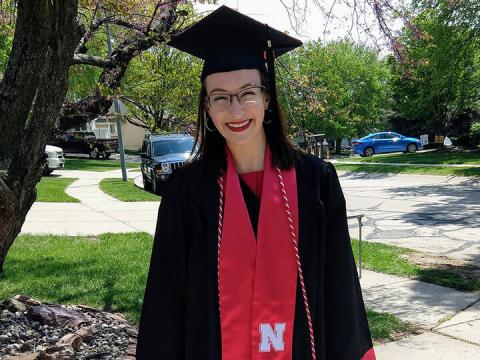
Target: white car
point(54, 159)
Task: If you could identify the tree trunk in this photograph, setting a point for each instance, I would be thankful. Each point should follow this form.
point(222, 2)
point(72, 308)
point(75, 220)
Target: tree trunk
point(31, 95)
point(338, 146)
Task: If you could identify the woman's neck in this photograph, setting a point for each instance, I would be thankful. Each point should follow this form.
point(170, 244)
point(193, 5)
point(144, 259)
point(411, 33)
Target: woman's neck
point(249, 157)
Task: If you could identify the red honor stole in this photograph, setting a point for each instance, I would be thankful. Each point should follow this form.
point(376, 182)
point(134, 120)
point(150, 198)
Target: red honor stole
point(258, 278)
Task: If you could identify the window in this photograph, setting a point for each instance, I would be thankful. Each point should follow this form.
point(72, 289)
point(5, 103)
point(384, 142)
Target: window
point(163, 147)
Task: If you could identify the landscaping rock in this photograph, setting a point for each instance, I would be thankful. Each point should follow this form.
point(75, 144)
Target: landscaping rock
point(14, 305)
point(56, 315)
point(58, 332)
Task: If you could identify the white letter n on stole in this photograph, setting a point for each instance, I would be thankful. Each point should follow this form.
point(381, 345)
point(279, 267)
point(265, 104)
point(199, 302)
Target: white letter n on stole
point(272, 338)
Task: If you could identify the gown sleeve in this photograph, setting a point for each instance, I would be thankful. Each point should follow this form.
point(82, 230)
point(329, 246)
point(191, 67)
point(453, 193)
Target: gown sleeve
point(347, 332)
point(162, 323)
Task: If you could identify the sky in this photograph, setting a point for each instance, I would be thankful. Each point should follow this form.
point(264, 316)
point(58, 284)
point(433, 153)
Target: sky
point(313, 26)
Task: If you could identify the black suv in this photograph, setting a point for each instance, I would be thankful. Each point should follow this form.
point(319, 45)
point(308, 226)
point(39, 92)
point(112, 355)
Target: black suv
point(161, 155)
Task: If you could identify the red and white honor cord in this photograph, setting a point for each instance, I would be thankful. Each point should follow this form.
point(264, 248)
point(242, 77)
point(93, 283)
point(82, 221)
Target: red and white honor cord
point(299, 264)
point(220, 226)
point(295, 247)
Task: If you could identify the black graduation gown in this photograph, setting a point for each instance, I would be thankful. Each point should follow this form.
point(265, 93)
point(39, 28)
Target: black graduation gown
point(180, 316)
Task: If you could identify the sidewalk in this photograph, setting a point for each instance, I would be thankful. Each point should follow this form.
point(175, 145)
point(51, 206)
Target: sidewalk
point(428, 306)
point(97, 212)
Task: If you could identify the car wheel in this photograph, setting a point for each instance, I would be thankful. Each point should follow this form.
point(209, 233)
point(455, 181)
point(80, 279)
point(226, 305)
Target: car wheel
point(411, 148)
point(147, 185)
point(94, 153)
point(46, 171)
point(368, 151)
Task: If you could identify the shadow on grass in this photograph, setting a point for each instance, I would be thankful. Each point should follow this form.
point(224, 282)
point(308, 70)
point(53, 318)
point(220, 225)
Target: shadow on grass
point(75, 283)
point(94, 165)
point(110, 277)
point(439, 270)
point(457, 277)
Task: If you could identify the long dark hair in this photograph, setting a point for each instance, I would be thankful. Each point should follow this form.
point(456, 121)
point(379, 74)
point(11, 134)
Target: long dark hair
point(211, 144)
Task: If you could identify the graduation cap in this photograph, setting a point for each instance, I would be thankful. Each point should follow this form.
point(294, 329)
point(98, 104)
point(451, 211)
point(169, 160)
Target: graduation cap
point(228, 40)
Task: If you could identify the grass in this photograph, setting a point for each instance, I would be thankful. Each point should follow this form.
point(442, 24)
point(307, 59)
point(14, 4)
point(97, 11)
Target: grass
point(51, 189)
point(386, 327)
point(126, 191)
point(107, 272)
point(430, 157)
point(412, 169)
point(390, 259)
point(95, 165)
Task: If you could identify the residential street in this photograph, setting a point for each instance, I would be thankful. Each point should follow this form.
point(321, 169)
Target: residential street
point(434, 214)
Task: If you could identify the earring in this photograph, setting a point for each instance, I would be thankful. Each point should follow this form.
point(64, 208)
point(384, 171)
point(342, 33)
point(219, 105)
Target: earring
point(206, 124)
point(268, 114)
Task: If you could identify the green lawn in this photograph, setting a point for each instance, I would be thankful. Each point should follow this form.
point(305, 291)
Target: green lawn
point(388, 259)
point(126, 191)
point(429, 157)
point(107, 272)
point(386, 327)
point(409, 169)
point(51, 189)
point(95, 165)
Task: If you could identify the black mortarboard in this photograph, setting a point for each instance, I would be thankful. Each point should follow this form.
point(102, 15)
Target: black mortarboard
point(228, 40)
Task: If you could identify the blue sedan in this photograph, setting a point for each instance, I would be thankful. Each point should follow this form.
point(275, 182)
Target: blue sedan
point(385, 142)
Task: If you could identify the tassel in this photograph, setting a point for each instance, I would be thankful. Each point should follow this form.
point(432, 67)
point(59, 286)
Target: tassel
point(271, 73)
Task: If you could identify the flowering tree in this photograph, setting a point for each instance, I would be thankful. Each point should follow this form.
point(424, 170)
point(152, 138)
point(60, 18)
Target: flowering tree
point(48, 38)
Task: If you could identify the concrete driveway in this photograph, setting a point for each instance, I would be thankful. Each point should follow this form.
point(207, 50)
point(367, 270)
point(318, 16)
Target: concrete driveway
point(435, 214)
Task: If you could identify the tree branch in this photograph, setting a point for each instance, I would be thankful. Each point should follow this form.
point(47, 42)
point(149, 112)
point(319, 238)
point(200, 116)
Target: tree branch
point(76, 114)
point(86, 59)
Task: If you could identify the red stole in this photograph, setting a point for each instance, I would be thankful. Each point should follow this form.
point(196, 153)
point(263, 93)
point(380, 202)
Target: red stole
point(258, 278)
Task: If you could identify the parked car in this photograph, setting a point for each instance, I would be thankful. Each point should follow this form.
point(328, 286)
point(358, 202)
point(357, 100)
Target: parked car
point(161, 155)
point(385, 142)
point(85, 142)
point(54, 159)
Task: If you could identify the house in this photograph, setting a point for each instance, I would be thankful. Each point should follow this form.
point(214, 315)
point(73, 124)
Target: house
point(105, 127)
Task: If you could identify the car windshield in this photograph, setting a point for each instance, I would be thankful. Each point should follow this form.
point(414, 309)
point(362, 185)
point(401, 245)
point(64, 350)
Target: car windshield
point(163, 147)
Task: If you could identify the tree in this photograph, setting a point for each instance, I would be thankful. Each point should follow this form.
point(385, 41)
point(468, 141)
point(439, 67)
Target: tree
point(46, 35)
point(161, 89)
point(439, 83)
point(48, 39)
point(7, 28)
point(340, 89)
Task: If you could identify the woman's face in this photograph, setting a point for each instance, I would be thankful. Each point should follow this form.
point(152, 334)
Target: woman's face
point(241, 121)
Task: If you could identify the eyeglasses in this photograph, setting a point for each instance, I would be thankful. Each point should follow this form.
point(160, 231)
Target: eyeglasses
point(222, 101)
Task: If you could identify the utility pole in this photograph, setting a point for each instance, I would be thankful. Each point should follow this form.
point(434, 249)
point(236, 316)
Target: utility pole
point(121, 150)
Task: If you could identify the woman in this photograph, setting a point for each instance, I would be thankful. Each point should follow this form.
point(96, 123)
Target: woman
point(251, 257)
